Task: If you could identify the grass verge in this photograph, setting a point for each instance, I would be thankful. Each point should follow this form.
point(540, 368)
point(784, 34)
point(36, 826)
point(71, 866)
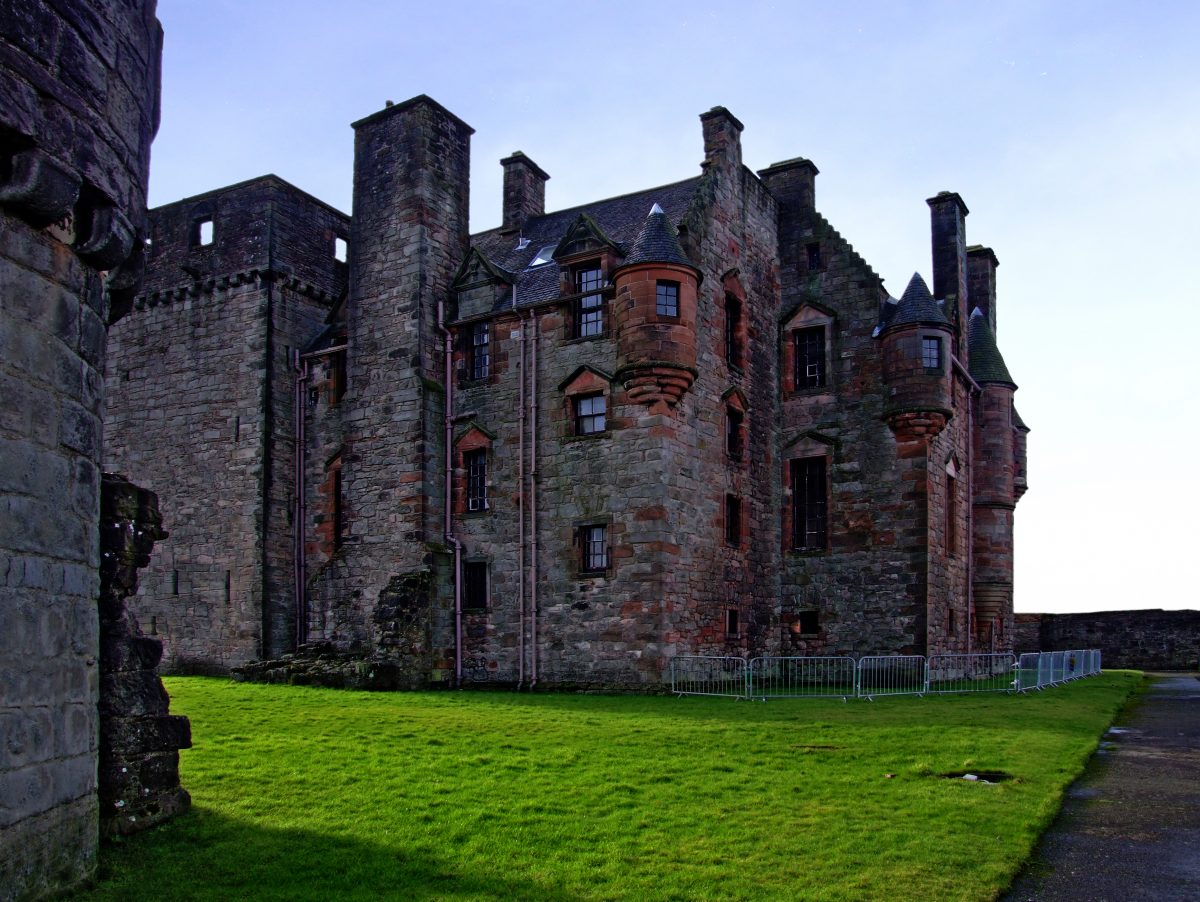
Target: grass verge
point(306, 793)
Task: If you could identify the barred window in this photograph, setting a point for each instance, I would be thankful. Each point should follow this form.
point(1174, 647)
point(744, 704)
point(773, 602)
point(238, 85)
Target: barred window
point(593, 542)
point(809, 504)
point(733, 326)
point(476, 463)
point(590, 413)
point(589, 309)
point(481, 355)
point(931, 353)
point(667, 299)
point(810, 357)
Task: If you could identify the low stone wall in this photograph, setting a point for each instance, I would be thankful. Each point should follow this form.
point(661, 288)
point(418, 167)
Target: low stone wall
point(1144, 640)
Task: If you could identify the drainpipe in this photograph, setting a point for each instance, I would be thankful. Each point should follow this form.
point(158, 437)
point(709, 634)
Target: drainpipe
point(975, 389)
point(533, 480)
point(520, 499)
point(300, 365)
point(448, 424)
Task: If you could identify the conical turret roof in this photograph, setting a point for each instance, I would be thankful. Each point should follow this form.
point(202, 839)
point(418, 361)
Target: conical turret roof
point(657, 242)
point(986, 363)
point(917, 306)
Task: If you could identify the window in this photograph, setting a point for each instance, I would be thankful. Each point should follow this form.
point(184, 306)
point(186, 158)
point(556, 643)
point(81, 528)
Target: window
point(810, 357)
point(808, 622)
point(733, 520)
point(951, 526)
point(734, 433)
point(931, 353)
point(476, 464)
point(337, 376)
point(202, 232)
point(480, 351)
point(731, 623)
point(589, 414)
point(667, 299)
point(589, 309)
point(809, 505)
point(339, 249)
point(593, 541)
point(475, 585)
point(733, 326)
point(813, 252)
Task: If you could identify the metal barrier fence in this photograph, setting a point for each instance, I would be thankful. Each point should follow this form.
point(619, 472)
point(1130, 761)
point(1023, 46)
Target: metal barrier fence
point(802, 678)
point(709, 675)
point(876, 675)
point(972, 673)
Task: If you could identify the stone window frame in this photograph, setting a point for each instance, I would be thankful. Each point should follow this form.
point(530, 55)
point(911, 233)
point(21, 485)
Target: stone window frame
point(472, 441)
point(933, 347)
point(806, 316)
point(735, 344)
point(663, 288)
point(814, 256)
point(806, 447)
point(581, 295)
point(475, 462)
point(590, 418)
point(479, 353)
point(198, 237)
point(732, 623)
point(801, 625)
point(950, 538)
point(585, 382)
point(585, 559)
point(733, 521)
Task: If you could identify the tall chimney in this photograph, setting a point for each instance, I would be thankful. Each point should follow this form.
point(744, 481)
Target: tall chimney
point(948, 216)
point(722, 138)
point(524, 191)
point(981, 281)
point(792, 183)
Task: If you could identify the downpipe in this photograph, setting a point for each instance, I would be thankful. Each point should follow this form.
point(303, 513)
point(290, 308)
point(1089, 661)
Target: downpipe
point(448, 496)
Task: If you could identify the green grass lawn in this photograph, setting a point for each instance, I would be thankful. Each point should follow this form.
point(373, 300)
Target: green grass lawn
point(303, 793)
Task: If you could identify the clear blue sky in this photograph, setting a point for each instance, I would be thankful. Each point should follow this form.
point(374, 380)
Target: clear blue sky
point(1071, 129)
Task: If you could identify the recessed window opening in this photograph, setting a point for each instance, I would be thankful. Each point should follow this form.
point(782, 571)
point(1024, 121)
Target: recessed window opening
point(594, 544)
point(477, 490)
point(589, 309)
point(810, 357)
point(667, 299)
point(202, 232)
point(339, 249)
point(228, 586)
point(590, 414)
point(481, 355)
point(475, 585)
point(731, 623)
point(951, 526)
point(809, 622)
point(931, 353)
point(734, 433)
point(809, 504)
point(337, 376)
point(813, 253)
point(174, 582)
point(733, 520)
point(237, 429)
point(733, 324)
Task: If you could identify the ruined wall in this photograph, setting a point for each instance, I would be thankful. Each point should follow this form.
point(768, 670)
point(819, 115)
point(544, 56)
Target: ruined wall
point(1145, 640)
point(80, 89)
point(201, 389)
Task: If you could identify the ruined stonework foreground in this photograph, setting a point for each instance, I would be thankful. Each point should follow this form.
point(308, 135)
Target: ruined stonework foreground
point(139, 739)
point(79, 86)
point(686, 420)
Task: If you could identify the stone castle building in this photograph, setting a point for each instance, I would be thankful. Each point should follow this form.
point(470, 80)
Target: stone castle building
point(689, 419)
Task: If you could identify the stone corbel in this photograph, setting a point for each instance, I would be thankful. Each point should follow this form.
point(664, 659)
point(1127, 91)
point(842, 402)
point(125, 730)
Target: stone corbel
point(40, 188)
point(109, 238)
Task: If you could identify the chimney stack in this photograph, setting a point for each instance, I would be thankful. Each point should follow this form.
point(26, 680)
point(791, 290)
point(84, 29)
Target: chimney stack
point(981, 281)
point(524, 191)
point(948, 216)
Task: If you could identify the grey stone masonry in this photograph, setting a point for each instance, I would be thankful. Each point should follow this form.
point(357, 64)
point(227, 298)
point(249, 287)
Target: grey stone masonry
point(79, 88)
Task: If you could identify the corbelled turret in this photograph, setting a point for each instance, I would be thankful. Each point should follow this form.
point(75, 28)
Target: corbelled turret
point(916, 355)
point(655, 315)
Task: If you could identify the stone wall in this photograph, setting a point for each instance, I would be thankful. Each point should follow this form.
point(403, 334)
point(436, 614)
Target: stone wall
point(1145, 640)
point(79, 83)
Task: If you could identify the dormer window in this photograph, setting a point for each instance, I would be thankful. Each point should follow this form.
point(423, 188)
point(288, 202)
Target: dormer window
point(589, 307)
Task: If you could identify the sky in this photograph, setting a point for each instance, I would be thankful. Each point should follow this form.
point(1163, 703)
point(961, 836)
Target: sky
point(1071, 130)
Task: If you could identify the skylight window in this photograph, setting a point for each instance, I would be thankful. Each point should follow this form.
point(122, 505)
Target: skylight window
point(544, 256)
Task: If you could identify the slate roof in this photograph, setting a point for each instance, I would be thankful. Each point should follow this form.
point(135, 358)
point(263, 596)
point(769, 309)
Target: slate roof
point(986, 364)
point(1018, 422)
point(621, 219)
point(916, 305)
point(657, 242)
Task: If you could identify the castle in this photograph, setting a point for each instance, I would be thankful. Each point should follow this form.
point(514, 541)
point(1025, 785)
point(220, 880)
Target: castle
point(685, 420)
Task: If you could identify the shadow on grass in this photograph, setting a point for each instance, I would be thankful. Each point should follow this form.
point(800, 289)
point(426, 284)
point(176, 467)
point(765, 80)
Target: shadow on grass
point(205, 855)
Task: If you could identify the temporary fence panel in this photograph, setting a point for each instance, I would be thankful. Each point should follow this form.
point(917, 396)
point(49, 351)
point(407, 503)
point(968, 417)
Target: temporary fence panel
point(708, 675)
point(801, 677)
point(1027, 671)
point(972, 673)
point(890, 675)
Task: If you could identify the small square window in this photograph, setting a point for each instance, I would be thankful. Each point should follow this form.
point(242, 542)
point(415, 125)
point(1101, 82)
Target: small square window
point(667, 299)
point(339, 249)
point(475, 585)
point(733, 520)
point(593, 541)
point(202, 232)
point(480, 351)
point(590, 413)
point(477, 489)
point(931, 353)
point(809, 622)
